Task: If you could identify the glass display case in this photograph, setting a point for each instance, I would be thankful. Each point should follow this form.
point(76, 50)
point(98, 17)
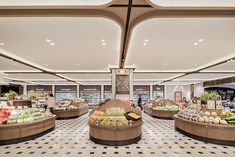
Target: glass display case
point(158, 91)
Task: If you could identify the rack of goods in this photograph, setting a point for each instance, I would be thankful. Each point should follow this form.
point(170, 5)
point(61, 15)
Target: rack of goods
point(162, 108)
point(214, 126)
point(66, 109)
point(115, 123)
point(22, 124)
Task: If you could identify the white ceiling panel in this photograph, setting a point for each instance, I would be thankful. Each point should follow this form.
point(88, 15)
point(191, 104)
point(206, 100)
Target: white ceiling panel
point(53, 2)
point(159, 76)
point(181, 44)
point(228, 66)
point(204, 77)
point(88, 76)
point(33, 77)
point(10, 65)
point(194, 3)
point(63, 43)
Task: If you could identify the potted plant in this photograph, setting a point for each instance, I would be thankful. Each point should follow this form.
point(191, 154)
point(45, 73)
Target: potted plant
point(11, 95)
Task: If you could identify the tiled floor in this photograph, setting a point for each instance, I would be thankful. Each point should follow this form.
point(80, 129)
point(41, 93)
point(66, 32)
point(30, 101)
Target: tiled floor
point(70, 138)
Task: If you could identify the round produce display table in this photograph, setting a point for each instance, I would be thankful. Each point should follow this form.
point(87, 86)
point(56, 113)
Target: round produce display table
point(116, 136)
point(213, 133)
point(162, 114)
point(72, 113)
point(13, 133)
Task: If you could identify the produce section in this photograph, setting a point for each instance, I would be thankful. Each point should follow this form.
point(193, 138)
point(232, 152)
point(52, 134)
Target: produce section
point(70, 108)
point(162, 108)
point(216, 126)
point(24, 123)
point(115, 123)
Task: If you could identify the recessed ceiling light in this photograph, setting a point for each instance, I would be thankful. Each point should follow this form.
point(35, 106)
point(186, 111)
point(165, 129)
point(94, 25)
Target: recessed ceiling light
point(102, 40)
point(146, 40)
point(195, 44)
point(2, 44)
point(52, 44)
point(77, 64)
point(201, 40)
point(144, 43)
point(103, 44)
point(48, 40)
point(165, 64)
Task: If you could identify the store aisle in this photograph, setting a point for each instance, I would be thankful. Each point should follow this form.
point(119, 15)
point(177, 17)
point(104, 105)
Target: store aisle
point(71, 138)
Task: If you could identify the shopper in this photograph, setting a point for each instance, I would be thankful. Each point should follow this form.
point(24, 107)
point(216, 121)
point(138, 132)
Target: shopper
point(140, 102)
point(50, 102)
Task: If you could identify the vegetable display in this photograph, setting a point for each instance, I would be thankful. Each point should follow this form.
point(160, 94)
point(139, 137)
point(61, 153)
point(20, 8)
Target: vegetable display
point(165, 105)
point(9, 116)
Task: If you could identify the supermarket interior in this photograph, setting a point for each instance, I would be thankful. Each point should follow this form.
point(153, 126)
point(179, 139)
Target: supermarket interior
point(132, 78)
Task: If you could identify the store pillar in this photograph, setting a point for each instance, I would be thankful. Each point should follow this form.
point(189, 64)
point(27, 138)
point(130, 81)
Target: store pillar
point(122, 83)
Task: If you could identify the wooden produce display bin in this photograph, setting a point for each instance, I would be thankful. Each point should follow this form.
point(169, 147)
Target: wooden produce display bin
point(22, 103)
point(82, 108)
point(163, 114)
point(212, 133)
point(14, 133)
point(116, 135)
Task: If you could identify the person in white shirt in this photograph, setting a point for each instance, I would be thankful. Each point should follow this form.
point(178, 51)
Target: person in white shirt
point(50, 102)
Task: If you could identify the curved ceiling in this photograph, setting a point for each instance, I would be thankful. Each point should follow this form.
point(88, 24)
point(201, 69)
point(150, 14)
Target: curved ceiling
point(53, 2)
point(62, 43)
point(181, 44)
point(194, 3)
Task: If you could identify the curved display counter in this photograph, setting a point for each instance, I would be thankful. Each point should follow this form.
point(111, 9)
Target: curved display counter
point(219, 134)
point(162, 114)
point(22, 103)
point(71, 113)
point(110, 124)
point(13, 133)
point(115, 135)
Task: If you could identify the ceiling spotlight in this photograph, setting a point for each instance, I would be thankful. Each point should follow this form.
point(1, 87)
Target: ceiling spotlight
point(200, 40)
point(52, 44)
point(195, 44)
point(48, 40)
point(103, 44)
point(146, 40)
point(77, 64)
point(165, 64)
point(2, 44)
point(102, 40)
point(144, 43)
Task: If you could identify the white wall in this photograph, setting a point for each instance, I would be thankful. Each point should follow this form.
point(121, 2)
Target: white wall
point(171, 89)
point(198, 89)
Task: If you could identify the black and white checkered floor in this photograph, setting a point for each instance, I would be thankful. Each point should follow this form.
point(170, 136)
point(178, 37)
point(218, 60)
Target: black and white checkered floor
point(71, 138)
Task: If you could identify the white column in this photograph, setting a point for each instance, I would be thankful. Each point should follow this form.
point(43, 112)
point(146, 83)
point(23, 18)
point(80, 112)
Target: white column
point(53, 90)
point(131, 83)
point(113, 83)
point(78, 91)
point(102, 92)
point(151, 92)
point(25, 90)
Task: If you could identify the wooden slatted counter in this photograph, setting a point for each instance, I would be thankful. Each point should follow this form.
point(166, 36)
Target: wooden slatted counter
point(213, 133)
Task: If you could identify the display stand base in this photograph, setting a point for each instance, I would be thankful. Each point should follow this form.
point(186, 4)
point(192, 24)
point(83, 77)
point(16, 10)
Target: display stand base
point(23, 139)
point(206, 140)
point(115, 143)
point(72, 117)
point(166, 118)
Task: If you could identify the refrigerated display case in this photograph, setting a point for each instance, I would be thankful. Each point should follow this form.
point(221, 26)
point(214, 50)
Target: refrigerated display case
point(65, 92)
point(142, 90)
point(91, 93)
point(158, 91)
point(107, 92)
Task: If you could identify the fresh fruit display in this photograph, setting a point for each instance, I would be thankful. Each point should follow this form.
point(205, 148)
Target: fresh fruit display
point(166, 108)
point(9, 116)
point(69, 104)
point(194, 113)
point(132, 116)
point(115, 111)
point(113, 116)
